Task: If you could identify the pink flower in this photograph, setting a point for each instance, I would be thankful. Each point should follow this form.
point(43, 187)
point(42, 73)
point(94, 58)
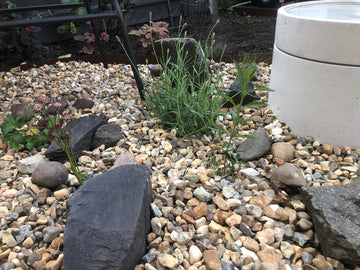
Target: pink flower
point(38, 107)
point(89, 37)
point(58, 105)
point(43, 100)
point(104, 36)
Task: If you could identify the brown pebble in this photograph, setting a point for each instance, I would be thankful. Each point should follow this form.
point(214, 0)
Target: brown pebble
point(55, 244)
point(251, 244)
point(212, 260)
point(187, 218)
point(200, 210)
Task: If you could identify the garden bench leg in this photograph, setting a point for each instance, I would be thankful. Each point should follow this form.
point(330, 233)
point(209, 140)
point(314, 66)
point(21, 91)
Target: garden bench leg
point(127, 44)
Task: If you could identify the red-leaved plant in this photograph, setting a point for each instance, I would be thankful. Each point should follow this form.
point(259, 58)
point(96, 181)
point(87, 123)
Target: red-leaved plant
point(89, 39)
point(152, 32)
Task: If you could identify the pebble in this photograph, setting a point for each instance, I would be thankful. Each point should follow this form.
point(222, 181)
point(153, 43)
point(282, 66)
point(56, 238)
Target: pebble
point(195, 254)
point(283, 150)
point(50, 174)
point(50, 233)
point(166, 260)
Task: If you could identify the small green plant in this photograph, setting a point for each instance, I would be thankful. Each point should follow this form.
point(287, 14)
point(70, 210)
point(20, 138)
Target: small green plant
point(53, 117)
point(226, 5)
point(184, 97)
point(248, 17)
point(17, 136)
point(245, 70)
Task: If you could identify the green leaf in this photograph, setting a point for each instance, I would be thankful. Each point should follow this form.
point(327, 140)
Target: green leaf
point(29, 146)
point(64, 56)
point(14, 145)
point(6, 128)
point(10, 120)
point(19, 122)
point(18, 138)
point(254, 104)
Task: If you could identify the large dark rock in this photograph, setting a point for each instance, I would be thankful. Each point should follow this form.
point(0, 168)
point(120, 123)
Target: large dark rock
point(255, 147)
point(108, 219)
point(108, 134)
point(82, 133)
point(335, 213)
point(234, 92)
point(167, 49)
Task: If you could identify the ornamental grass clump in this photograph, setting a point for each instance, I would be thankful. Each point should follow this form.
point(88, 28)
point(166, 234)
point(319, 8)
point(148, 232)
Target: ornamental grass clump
point(181, 98)
point(53, 117)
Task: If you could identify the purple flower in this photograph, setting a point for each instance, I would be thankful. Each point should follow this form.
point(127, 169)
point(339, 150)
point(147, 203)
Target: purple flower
point(42, 124)
point(58, 126)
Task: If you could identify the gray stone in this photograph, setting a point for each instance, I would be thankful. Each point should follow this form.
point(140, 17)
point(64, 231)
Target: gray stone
point(125, 158)
point(24, 230)
point(150, 257)
point(256, 147)
point(335, 215)
point(108, 134)
point(50, 174)
point(300, 238)
point(118, 203)
point(21, 211)
point(306, 257)
point(155, 210)
point(201, 194)
point(38, 235)
point(50, 233)
point(8, 266)
point(82, 133)
point(21, 110)
point(83, 103)
point(254, 210)
point(234, 92)
point(245, 229)
point(28, 165)
point(288, 175)
point(283, 150)
point(12, 216)
point(195, 59)
point(155, 70)
point(33, 258)
point(226, 264)
point(289, 231)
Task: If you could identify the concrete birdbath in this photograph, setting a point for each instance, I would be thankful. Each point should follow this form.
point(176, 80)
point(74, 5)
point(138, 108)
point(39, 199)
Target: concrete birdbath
point(316, 70)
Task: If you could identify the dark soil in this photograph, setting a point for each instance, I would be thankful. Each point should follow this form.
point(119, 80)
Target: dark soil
point(241, 35)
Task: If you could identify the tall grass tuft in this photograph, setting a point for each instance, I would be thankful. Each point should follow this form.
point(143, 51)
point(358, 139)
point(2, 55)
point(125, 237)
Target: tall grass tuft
point(180, 97)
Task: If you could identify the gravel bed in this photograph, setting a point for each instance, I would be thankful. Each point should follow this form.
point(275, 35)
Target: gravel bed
point(241, 226)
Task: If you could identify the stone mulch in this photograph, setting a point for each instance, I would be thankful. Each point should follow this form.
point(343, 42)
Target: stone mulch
point(231, 223)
